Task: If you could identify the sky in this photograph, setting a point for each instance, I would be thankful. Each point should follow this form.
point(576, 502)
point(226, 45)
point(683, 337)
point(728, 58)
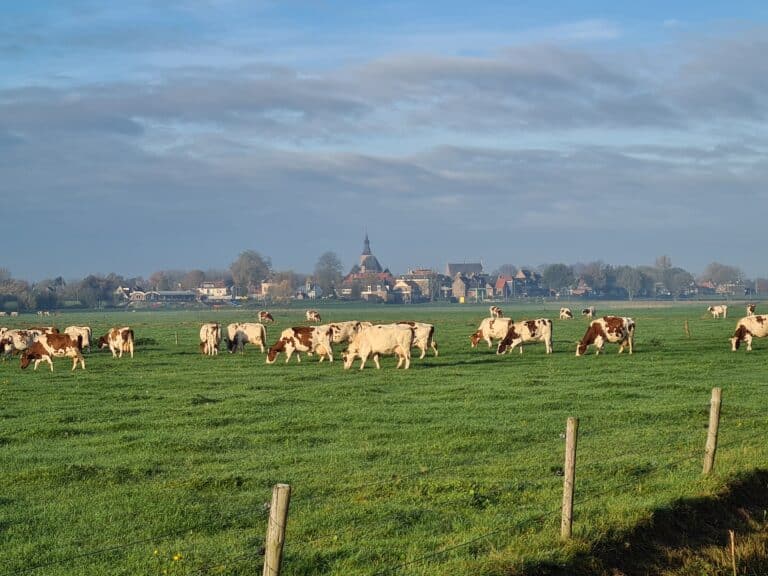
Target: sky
point(149, 135)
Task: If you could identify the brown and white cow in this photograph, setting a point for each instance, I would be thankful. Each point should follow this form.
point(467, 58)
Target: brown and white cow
point(17, 340)
point(751, 309)
point(384, 339)
point(717, 311)
point(210, 338)
point(747, 328)
point(589, 312)
point(423, 336)
point(48, 346)
point(539, 330)
point(566, 314)
point(314, 339)
point(241, 333)
point(83, 331)
point(496, 312)
point(490, 329)
point(265, 317)
point(614, 329)
point(118, 340)
point(313, 316)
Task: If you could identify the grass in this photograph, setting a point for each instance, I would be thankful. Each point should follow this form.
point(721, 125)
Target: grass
point(164, 463)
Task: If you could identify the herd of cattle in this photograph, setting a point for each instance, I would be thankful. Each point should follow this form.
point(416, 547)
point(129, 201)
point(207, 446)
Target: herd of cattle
point(364, 339)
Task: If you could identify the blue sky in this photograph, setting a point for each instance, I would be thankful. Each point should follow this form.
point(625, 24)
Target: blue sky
point(150, 135)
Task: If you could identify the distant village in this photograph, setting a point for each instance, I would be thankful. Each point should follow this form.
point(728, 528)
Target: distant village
point(460, 283)
point(252, 280)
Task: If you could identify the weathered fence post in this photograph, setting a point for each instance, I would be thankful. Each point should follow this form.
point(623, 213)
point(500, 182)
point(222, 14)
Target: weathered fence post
point(278, 517)
point(177, 338)
point(569, 477)
point(714, 424)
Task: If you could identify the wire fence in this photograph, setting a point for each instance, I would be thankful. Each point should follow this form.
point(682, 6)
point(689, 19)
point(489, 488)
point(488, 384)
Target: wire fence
point(592, 486)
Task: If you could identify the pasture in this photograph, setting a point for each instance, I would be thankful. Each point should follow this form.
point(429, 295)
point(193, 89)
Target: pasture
point(162, 464)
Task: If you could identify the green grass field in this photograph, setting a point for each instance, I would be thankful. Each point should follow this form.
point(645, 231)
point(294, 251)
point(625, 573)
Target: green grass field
point(162, 464)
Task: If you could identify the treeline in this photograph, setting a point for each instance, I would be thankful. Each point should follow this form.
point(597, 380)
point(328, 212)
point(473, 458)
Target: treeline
point(251, 269)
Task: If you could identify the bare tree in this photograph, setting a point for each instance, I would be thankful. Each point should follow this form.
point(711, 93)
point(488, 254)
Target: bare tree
point(328, 272)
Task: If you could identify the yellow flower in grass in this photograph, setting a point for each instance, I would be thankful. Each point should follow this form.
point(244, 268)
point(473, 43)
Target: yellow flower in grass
point(177, 557)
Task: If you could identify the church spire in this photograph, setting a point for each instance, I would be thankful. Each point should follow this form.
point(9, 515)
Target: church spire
point(366, 246)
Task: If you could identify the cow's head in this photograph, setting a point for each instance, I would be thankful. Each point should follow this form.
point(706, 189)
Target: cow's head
point(26, 359)
point(275, 350)
point(476, 337)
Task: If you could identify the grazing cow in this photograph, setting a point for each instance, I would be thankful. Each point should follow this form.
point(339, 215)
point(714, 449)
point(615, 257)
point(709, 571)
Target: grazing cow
point(748, 328)
point(265, 317)
point(539, 330)
point(387, 339)
point(496, 312)
point(210, 338)
point(751, 309)
point(717, 311)
point(423, 336)
point(566, 314)
point(313, 316)
point(608, 329)
point(589, 312)
point(3, 313)
point(50, 345)
point(118, 340)
point(83, 331)
point(490, 329)
point(241, 333)
point(315, 339)
point(14, 314)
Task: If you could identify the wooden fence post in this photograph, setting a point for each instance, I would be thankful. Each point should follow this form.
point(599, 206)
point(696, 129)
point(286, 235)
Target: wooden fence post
point(569, 477)
point(278, 517)
point(714, 424)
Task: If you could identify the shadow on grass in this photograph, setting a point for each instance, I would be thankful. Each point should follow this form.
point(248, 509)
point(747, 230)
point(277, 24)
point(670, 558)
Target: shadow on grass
point(691, 537)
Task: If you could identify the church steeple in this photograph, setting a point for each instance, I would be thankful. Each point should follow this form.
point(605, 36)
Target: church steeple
point(368, 262)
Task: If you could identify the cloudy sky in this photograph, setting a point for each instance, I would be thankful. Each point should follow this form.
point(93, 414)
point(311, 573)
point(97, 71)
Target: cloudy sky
point(146, 135)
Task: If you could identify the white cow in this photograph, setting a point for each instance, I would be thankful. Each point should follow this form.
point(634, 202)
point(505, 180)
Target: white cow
point(313, 316)
point(210, 338)
point(423, 336)
point(496, 312)
point(539, 330)
point(751, 309)
point(566, 314)
point(747, 328)
point(491, 329)
point(83, 331)
point(241, 333)
point(386, 339)
point(589, 312)
point(345, 331)
point(717, 311)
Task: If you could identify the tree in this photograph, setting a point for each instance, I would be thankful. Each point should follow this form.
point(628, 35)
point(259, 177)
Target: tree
point(328, 272)
point(722, 274)
point(249, 268)
point(193, 279)
point(632, 280)
point(557, 277)
point(508, 270)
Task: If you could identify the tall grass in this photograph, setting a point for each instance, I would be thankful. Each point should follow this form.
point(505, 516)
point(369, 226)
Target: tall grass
point(164, 463)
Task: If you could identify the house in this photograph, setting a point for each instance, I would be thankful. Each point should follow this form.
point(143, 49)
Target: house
point(214, 291)
point(407, 291)
point(464, 269)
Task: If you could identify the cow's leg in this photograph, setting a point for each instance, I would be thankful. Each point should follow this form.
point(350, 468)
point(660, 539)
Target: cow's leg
point(748, 340)
point(376, 361)
point(363, 359)
point(433, 345)
point(423, 352)
point(407, 359)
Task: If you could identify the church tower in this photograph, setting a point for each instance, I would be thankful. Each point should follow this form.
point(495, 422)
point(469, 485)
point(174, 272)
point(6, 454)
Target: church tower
point(368, 262)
